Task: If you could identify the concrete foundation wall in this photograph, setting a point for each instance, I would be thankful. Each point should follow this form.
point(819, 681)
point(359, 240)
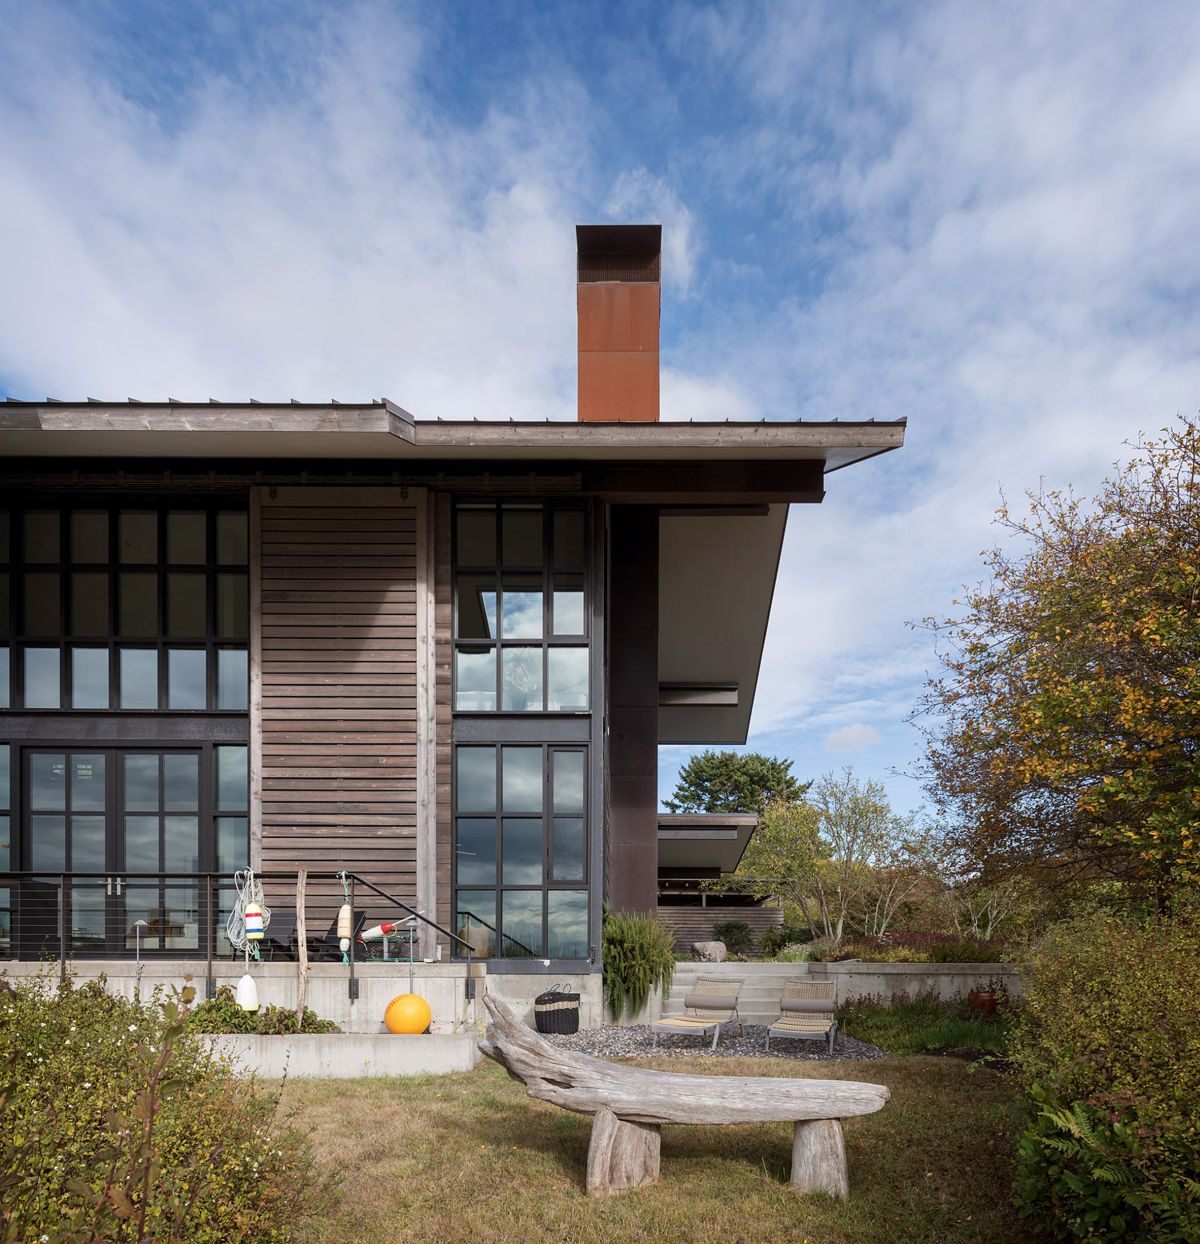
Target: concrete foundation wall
point(442, 985)
point(519, 991)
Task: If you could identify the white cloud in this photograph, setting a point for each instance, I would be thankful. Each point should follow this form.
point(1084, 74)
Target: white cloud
point(855, 738)
point(1014, 271)
point(688, 396)
point(641, 197)
point(348, 241)
point(988, 216)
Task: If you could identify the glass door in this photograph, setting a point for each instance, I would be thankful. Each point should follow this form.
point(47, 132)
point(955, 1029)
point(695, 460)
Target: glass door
point(116, 813)
point(158, 831)
point(67, 805)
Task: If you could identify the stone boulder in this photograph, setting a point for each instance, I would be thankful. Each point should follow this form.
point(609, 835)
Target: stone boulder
point(708, 952)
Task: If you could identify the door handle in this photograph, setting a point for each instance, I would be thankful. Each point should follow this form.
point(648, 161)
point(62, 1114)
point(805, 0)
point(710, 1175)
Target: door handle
point(117, 880)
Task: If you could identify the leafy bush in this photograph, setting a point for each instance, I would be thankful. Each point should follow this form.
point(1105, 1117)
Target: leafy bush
point(874, 952)
point(923, 1025)
point(773, 940)
point(737, 936)
point(117, 1124)
point(966, 951)
point(907, 948)
point(222, 1014)
point(802, 952)
point(638, 956)
point(1107, 1050)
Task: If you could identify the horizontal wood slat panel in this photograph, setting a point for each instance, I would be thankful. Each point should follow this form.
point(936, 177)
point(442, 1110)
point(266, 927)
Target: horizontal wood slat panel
point(695, 924)
point(338, 684)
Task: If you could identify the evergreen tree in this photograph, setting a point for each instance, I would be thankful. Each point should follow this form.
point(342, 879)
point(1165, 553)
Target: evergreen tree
point(732, 782)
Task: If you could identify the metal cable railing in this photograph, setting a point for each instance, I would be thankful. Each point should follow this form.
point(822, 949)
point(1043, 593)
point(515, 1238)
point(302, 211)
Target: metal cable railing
point(68, 915)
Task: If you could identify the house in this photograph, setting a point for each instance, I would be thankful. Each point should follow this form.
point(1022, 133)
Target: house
point(438, 655)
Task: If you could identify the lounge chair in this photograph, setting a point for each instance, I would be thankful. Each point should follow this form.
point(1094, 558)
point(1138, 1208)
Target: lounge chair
point(808, 1011)
point(707, 1008)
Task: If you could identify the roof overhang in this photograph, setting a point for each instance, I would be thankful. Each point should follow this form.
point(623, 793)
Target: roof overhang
point(715, 583)
point(383, 430)
point(703, 840)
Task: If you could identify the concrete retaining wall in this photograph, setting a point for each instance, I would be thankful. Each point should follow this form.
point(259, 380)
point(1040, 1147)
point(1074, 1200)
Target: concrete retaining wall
point(348, 1056)
point(764, 983)
point(887, 980)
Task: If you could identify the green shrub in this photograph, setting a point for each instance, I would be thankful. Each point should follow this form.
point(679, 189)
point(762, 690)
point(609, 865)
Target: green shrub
point(1097, 1171)
point(1107, 1050)
point(873, 952)
point(773, 940)
point(966, 951)
point(737, 935)
point(118, 1124)
point(221, 1014)
point(923, 1025)
point(638, 955)
point(805, 952)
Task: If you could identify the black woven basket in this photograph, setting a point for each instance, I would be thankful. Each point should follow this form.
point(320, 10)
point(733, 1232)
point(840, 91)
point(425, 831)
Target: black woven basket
point(556, 1010)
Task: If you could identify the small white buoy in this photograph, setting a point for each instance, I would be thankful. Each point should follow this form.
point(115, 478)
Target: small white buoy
point(247, 993)
point(345, 925)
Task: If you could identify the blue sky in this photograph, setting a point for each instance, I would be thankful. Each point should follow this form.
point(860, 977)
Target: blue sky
point(978, 217)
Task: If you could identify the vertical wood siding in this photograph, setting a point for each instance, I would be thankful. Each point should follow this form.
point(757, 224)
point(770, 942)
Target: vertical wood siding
point(337, 652)
point(444, 659)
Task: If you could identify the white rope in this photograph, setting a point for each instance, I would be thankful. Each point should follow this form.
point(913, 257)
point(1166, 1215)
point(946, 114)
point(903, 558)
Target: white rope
point(249, 890)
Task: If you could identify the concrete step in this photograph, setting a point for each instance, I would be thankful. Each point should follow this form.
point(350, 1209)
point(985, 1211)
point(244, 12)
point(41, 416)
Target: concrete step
point(762, 986)
point(748, 995)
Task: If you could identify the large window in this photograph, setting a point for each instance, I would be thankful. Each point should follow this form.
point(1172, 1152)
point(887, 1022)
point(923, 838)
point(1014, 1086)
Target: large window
point(126, 814)
point(138, 606)
point(520, 850)
point(520, 608)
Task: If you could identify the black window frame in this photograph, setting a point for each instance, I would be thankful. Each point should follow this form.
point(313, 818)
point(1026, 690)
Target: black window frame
point(18, 640)
point(497, 815)
point(208, 810)
point(498, 571)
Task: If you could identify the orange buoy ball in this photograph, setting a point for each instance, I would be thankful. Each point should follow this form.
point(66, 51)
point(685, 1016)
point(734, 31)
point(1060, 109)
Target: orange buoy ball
point(407, 1013)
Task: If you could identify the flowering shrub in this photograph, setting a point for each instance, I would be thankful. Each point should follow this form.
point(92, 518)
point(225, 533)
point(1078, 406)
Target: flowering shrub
point(116, 1124)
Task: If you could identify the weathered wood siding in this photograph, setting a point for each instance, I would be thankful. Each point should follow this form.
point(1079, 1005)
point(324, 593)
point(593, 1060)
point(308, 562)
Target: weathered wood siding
point(695, 924)
point(336, 665)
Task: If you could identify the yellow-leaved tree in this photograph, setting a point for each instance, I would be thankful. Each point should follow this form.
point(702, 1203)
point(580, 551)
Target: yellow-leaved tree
point(1064, 731)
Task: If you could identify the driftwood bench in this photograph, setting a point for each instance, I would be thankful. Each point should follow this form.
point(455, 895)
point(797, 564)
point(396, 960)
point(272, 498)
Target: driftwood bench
point(630, 1105)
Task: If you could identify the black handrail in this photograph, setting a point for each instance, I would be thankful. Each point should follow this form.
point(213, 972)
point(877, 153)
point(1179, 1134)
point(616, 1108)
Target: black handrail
point(433, 924)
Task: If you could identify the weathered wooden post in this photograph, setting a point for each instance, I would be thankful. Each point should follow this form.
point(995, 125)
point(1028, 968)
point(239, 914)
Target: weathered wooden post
point(301, 948)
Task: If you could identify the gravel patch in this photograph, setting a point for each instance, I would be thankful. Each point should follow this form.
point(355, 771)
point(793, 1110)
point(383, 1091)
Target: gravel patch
point(638, 1042)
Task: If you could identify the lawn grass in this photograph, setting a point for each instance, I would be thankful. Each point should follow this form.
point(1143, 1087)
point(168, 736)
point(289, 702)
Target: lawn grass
point(924, 1026)
point(470, 1157)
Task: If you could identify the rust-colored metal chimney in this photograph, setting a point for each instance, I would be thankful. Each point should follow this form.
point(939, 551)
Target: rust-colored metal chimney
point(620, 302)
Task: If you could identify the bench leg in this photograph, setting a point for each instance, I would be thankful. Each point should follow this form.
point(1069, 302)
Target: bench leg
point(622, 1155)
point(819, 1158)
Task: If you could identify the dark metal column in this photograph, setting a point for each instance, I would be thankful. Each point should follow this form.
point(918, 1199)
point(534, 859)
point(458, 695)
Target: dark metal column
point(633, 709)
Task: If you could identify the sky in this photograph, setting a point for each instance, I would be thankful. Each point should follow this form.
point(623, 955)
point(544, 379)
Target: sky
point(978, 218)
